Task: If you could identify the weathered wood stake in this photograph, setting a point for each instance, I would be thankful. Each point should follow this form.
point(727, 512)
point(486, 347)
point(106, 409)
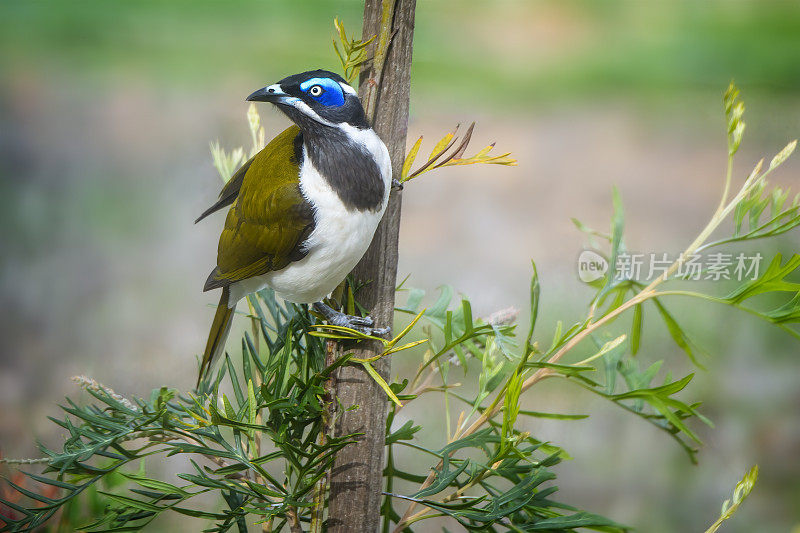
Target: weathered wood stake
point(356, 479)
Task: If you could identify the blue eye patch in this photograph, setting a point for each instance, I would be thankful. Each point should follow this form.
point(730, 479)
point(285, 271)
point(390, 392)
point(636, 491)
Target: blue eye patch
point(324, 90)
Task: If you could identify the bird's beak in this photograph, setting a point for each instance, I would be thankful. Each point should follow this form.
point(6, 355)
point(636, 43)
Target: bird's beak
point(273, 94)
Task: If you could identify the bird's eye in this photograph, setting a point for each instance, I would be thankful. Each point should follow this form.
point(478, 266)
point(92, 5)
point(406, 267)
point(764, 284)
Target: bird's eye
point(316, 90)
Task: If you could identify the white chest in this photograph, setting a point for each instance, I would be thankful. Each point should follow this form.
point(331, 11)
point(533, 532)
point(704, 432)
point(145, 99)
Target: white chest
point(340, 238)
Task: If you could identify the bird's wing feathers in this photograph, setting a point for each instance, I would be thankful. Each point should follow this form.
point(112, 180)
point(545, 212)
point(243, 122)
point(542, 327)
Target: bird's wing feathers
point(229, 192)
point(270, 219)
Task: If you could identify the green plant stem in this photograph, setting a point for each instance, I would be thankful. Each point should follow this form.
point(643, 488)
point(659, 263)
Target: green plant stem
point(715, 299)
point(293, 521)
point(753, 234)
point(728, 179)
point(266, 526)
point(328, 416)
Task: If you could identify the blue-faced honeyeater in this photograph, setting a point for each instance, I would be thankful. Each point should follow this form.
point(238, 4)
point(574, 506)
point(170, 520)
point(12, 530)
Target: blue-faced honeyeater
point(304, 209)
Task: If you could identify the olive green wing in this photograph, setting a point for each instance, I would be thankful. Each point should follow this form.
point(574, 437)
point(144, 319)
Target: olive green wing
point(269, 220)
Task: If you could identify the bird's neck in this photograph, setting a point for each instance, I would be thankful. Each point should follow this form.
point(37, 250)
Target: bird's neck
point(345, 159)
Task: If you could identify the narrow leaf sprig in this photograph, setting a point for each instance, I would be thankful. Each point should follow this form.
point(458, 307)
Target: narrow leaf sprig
point(352, 53)
point(439, 156)
point(742, 491)
point(617, 295)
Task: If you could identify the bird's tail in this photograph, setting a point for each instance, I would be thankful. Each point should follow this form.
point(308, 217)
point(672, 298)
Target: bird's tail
point(220, 328)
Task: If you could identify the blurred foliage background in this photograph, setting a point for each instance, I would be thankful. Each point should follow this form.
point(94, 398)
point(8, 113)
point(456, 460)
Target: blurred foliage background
point(107, 108)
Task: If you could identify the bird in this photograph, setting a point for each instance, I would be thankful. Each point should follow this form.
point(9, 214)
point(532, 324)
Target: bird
point(302, 211)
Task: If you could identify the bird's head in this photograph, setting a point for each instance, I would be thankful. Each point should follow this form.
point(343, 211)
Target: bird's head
point(315, 98)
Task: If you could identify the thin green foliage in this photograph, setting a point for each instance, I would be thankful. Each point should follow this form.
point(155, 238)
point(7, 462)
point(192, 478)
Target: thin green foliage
point(353, 52)
point(255, 432)
point(611, 372)
point(742, 491)
point(257, 445)
point(439, 156)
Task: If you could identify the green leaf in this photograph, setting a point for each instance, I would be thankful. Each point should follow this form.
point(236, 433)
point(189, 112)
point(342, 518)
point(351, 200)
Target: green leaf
point(617, 229)
point(534, 309)
point(772, 280)
point(409, 161)
point(783, 155)
point(381, 382)
point(787, 313)
point(441, 145)
point(480, 440)
point(154, 484)
point(132, 502)
point(406, 432)
point(677, 333)
point(636, 329)
point(742, 491)
point(439, 309)
point(554, 416)
point(229, 411)
point(566, 370)
point(237, 387)
point(510, 408)
point(444, 478)
point(581, 519)
point(196, 513)
point(251, 403)
point(660, 399)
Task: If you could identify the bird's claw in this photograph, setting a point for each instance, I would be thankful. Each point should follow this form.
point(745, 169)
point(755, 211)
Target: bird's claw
point(362, 324)
point(365, 321)
point(380, 332)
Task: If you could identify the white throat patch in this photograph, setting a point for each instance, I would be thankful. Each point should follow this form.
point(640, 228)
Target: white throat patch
point(340, 238)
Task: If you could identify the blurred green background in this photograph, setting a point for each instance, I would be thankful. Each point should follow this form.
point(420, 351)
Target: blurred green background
point(107, 108)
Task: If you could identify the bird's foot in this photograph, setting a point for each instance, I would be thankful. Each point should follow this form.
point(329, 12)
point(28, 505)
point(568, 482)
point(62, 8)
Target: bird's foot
point(362, 324)
point(397, 185)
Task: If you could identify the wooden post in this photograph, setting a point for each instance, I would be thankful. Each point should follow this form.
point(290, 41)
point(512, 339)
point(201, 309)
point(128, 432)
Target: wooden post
point(357, 477)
